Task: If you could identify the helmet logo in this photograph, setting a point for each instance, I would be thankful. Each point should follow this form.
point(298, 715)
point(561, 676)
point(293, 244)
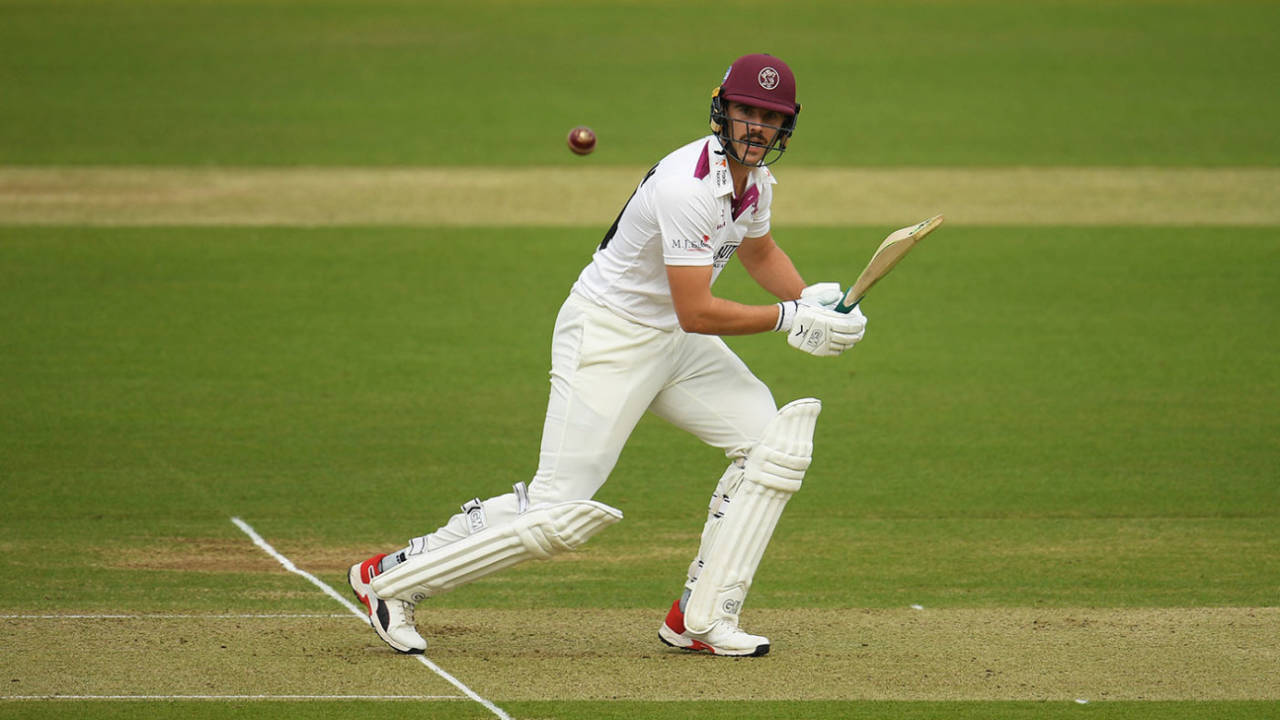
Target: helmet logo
point(768, 78)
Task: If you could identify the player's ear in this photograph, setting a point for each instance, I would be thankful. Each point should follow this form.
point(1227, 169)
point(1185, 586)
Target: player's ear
point(789, 127)
point(717, 110)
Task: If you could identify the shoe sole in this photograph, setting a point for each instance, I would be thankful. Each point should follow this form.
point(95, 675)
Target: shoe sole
point(354, 579)
point(676, 640)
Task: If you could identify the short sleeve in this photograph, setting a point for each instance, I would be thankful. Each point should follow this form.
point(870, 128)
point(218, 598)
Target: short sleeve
point(760, 218)
point(686, 214)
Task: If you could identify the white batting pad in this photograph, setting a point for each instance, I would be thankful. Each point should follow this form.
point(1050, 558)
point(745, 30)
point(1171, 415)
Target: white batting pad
point(774, 472)
point(719, 505)
point(538, 532)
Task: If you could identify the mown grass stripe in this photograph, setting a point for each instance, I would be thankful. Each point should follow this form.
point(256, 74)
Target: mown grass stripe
point(557, 196)
point(176, 616)
point(233, 697)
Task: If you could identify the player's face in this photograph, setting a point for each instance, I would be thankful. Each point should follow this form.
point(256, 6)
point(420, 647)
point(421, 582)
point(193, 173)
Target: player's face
point(753, 130)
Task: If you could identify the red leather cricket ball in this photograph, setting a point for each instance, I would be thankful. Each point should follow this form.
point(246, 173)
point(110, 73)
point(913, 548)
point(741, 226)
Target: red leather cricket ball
point(582, 140)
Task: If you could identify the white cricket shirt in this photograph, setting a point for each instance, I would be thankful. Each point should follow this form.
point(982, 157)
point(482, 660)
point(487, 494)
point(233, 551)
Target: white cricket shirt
point(682, 213)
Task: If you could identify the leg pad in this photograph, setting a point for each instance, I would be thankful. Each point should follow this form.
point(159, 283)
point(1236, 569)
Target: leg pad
point(774, 471)
point(537, 533)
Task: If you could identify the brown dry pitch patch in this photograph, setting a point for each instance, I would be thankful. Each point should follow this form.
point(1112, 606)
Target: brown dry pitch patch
point(235, 555)
point(212, 554)
point(187, 553)
point(563, 196)
point(320, 558)
point(572, 653)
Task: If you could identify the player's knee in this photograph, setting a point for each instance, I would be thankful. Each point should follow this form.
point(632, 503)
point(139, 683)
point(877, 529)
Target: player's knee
point(553, 488)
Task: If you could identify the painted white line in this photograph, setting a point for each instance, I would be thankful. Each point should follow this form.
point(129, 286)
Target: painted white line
point(466, 690)
point(177, 616)
point(232, 697)
point(364, 617)
point(288, 565)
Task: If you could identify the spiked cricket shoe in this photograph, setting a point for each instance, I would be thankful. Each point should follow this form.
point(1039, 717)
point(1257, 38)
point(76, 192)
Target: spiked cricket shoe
point(723, 638)
point(392, 619)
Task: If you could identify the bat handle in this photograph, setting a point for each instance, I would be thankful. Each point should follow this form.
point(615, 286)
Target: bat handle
point(842, 308)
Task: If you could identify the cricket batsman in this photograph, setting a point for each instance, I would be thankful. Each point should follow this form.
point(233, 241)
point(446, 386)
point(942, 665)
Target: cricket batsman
point(640, 332)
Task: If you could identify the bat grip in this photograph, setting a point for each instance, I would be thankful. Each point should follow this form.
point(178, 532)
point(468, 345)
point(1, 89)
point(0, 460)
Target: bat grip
point(842, 308)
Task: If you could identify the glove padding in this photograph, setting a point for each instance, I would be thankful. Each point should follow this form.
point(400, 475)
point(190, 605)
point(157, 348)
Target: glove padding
point(825, 333)
point(825, 295)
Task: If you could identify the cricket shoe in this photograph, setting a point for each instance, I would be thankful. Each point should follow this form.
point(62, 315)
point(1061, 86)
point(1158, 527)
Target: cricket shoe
point(392, 619)
point(724, 638)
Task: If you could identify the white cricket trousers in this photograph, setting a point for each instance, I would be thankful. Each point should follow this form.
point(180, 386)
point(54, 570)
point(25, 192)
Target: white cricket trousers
point(606, 371)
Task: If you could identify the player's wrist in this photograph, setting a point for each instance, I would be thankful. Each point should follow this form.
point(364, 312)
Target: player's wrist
point(786, 315)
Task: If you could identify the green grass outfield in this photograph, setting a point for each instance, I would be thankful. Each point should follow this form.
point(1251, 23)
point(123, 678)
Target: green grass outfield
point(396, 82)
point(1045, 486)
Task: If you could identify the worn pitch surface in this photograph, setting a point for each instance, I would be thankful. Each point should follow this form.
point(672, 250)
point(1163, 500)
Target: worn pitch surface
point(1052, 654)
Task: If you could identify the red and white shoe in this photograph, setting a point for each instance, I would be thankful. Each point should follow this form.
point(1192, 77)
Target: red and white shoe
point(721, 639)
point(392, 619)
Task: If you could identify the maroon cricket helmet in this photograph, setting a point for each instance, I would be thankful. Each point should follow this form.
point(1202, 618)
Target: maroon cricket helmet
point(761, 81)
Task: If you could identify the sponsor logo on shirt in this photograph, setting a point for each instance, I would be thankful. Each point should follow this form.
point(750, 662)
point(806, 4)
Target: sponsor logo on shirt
point(723, 255)
point(702, 244)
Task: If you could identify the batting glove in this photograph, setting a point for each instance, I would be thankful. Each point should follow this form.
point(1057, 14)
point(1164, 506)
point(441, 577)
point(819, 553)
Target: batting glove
point(825, 295)
point(825, 333)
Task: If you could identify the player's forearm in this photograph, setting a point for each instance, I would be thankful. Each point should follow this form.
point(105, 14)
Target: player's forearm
point(773, 270)
point(726, 317)
point(701, 312)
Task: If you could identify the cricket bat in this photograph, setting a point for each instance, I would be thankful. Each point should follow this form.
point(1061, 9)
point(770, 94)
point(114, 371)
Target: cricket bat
point(891, 251)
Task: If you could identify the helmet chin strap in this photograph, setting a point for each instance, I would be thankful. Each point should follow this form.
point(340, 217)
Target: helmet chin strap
point(731, 149)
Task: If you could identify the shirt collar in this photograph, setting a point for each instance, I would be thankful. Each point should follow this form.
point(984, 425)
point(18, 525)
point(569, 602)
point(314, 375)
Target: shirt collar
point(720, 179)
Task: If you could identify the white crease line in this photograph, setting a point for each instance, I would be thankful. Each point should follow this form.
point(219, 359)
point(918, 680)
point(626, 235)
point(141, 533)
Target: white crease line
point(175, 616)
point(288, 565)
point(364, 617)
point(231, 697)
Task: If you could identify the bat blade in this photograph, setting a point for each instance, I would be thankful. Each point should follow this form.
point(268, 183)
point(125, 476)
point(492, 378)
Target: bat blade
point(890, 253)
